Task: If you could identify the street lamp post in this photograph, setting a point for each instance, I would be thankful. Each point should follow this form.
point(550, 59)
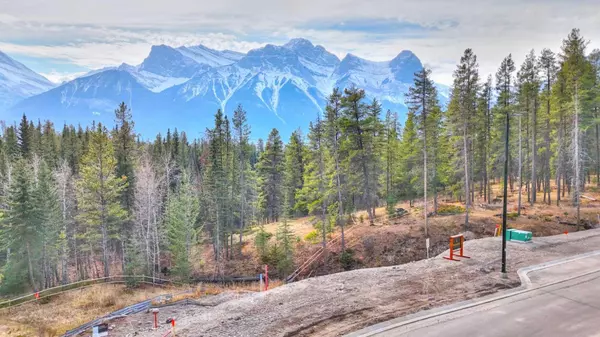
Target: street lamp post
point(504, 205)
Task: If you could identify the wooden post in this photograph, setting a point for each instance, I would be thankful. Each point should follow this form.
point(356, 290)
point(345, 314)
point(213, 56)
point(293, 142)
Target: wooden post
point(266, 277)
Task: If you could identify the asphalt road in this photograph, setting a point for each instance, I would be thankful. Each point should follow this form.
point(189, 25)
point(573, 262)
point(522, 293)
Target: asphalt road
point(570, 308)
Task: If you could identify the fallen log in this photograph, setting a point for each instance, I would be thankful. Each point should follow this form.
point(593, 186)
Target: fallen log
point(589, 198)
point(242, 279)
point(490, 206)
point(584, 223)
point(567, 223)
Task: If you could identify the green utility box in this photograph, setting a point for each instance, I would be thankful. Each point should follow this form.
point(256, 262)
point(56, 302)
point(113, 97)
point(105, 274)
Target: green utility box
point(518, 235)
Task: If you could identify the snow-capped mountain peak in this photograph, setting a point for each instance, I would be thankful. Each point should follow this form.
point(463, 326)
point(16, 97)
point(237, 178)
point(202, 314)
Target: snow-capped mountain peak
point(170, 62)
point(18, 82)
point(405, 65)
point(184, 86)
point(313, 57)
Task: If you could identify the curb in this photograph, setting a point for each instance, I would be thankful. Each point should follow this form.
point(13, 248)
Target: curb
point(526, 286)
point(526, 282)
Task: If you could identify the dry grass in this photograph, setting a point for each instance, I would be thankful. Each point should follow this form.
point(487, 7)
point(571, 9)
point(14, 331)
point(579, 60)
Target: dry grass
point(72, 309)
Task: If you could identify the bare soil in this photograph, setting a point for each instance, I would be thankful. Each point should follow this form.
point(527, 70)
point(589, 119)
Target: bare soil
point(336, 304)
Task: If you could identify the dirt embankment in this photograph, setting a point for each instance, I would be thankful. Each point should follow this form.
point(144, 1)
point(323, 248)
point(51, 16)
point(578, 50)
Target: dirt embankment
point(340, 303)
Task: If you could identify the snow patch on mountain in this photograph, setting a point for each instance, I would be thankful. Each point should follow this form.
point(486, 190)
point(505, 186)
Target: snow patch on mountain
point(210, 57)
point(382, 80)
point(18, 82)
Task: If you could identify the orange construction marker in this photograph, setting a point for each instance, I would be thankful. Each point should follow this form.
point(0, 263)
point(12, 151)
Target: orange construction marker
point(566, 232)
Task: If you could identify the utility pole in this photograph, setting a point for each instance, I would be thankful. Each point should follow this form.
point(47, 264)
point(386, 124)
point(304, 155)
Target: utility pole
point(504, 205)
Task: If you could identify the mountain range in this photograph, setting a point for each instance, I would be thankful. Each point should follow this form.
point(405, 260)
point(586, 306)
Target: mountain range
point(279, 86)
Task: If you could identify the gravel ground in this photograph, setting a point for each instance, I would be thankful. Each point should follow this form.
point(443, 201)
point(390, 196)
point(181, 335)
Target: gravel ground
point(336, 304)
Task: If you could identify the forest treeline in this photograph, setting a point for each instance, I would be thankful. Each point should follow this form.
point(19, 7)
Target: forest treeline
point(90, 202)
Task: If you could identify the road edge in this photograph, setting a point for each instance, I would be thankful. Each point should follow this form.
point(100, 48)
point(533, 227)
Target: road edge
point(526, 286)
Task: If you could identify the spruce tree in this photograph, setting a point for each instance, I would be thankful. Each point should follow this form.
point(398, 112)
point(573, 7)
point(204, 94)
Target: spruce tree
point(391, 149)
point(409, 158)
point(314, 194)
point(294, 173)
point(360, 126)
point(270, 175)
point(242, 135)
point(99, 192)
point(20, 235)
point(181, 215)
point(333, 135)
point(124, 147)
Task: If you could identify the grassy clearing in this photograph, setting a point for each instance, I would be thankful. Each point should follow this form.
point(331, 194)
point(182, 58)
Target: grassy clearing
point(72, 309)
point(54, 316)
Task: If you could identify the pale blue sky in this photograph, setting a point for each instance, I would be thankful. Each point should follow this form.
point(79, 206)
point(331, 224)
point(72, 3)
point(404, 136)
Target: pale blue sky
point(63, 38)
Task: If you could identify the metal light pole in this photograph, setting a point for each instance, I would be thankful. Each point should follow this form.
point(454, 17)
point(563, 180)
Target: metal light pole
point(504, 206)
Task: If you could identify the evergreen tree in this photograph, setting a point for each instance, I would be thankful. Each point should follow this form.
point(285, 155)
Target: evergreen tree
point(547, 66)
point(270, 175)
point(422, 101)
point(360, 126)
point(20, 235)
point(25, 137)
point(217, 180)
point(485, 122)
point(409, 159)
point(294, 173)
point(461, 113)
point(99, 191)
point(181, 216)
point(528, 96)
point(314, 194)
point(124, 145)
point(390, 156)
point(46, 218)
point(577, 73)
point(333, 135)
point(242, 135)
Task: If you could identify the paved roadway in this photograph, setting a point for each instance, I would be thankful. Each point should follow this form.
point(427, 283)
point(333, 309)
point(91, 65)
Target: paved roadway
point(570, 308)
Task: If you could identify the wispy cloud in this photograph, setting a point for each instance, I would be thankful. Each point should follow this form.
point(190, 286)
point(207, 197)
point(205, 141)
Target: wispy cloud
point(93, 34)
point(60, 77)
point(381, 26)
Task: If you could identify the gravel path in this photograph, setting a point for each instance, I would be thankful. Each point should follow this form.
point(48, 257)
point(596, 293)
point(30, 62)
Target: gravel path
point(336, 304)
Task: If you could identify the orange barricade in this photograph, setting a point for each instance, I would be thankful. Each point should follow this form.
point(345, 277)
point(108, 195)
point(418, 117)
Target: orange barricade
point(456, 242)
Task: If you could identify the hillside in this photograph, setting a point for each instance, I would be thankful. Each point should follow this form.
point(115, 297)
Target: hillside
point(360, 297)
point(402, 240)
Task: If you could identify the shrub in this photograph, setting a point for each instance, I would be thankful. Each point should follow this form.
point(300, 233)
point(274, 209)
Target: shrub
point(512, 215)
point(450, 209)
point(312, 237)
point(391, 205)
point(261, 242)
point(347, 259)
